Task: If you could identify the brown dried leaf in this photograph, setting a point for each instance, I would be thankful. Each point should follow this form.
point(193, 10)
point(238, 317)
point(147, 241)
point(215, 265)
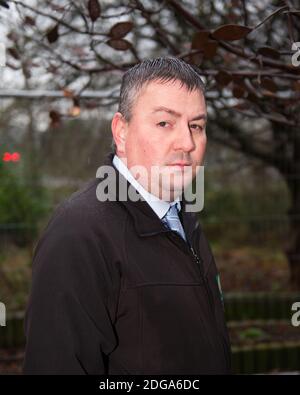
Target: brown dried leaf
point(200, 38)
point(120, 29)
point(223, 78)
point(13, 52)
point(268, 84)
point(238, 91)
point(119, 44)
point(239, 80)
point(94, 9)
point(269, 52)
point(196, 58)
point(231, 32)
point(52, 34)
point(210, 49)
point(55, 118)
point(29, 20)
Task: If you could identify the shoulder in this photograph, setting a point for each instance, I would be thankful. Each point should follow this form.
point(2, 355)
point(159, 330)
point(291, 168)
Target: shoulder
point(83, 222)
point(81, 233)
point(82, 211)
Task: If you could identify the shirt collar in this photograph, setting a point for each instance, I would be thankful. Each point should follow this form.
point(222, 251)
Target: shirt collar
point(160, 207)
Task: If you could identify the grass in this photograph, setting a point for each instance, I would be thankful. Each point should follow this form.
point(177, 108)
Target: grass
point(15, 273)
point(252, 269)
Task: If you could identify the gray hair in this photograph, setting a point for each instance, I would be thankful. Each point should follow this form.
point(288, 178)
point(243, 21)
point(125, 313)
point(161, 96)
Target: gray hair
point(162, 69)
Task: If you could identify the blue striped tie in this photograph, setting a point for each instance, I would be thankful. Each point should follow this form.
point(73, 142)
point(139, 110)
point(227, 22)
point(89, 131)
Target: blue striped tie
point(171, 219)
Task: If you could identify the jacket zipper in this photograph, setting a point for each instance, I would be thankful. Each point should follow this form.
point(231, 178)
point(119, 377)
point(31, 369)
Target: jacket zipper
point(211, 302)
point(197, 259)
point(199, 264)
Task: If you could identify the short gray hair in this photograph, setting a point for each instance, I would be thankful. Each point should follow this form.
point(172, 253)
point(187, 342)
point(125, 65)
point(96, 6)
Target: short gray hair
point(162, 69)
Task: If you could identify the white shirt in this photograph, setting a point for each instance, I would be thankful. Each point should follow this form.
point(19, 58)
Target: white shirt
point(160, 207)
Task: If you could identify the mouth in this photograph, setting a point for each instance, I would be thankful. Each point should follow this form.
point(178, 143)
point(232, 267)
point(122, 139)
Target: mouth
point(180, 164)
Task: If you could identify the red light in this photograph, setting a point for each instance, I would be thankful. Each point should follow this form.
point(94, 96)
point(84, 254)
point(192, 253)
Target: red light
point(6, 157)
point(14, 157)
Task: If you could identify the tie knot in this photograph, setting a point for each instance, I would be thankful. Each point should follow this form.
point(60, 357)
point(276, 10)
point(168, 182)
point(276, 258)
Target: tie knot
point(171, 219)
point(172, 212)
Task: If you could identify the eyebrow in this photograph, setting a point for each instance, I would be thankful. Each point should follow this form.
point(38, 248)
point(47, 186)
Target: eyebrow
point(177, 114)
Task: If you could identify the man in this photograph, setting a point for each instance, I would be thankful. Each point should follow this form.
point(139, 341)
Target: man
point(126, 286)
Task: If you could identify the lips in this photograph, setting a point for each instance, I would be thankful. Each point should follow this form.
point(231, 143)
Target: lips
point(180, 164)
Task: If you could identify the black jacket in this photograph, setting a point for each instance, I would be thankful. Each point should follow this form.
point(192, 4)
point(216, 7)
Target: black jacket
point(115, 292)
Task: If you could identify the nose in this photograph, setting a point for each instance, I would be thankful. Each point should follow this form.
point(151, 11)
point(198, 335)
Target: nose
point(184, 139)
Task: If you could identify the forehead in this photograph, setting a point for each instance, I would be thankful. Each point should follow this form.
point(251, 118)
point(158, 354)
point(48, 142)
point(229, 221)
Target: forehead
point(172, 93)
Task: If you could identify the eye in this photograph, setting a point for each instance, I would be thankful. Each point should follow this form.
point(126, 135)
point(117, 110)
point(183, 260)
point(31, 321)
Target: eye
point(162, 123)
point(199, 127)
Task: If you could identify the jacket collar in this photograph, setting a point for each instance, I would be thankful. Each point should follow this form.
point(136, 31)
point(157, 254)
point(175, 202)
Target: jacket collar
point(146, 222)
point(160, 207)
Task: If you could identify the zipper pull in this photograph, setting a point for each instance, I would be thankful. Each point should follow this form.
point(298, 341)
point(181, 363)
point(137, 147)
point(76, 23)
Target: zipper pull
point(195, 255)
point(198, 260)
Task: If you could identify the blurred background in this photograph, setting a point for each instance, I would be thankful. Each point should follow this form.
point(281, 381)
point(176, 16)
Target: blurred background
point(61, 64)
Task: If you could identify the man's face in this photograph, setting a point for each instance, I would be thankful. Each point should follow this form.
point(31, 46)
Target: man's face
point(166, 130)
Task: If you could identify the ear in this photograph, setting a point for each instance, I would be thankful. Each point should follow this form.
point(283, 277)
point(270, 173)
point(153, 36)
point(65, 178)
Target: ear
point(119, 131)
